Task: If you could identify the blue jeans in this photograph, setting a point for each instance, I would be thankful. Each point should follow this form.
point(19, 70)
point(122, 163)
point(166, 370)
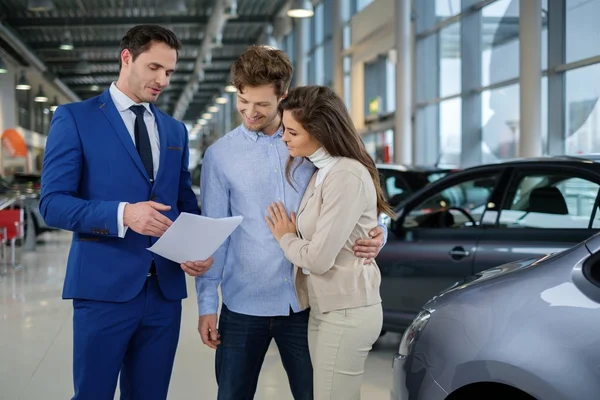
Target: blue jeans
point(244, 343)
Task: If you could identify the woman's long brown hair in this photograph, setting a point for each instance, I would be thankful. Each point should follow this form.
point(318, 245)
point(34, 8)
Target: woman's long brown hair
point(324, 116)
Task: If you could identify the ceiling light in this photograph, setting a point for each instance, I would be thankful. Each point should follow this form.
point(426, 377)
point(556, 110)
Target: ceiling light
point(54, 105)
point(221, 100)
point(202, 122)
point(95, 88)
point(40, 5)
point(3, 67)
point(230, 89)
point(213, 109)
point(301, 9)
point(23, 82)
point(41, 96)
point(67, 41)
point(207, 115)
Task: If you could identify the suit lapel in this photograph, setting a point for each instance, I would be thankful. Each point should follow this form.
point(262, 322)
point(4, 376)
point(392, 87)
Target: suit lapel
point(107, 106)
point(162, 138)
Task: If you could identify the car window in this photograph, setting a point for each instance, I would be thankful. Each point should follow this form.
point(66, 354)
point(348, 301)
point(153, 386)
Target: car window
point(551, 201)
point(460, 205)
point(395, 187)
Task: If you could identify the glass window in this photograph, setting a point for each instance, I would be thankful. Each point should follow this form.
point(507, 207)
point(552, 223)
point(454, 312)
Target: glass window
point(390, 103)
point(360, 4)
point(500, 121)
point(583, 30)
point(582, 119)
point(450, 64)
point(328, 63)
point(318, 65)
point(458, 206)
point(450, 131)
point(318, 24)
point(327, 16)
point(552, 201)
point(500, 41)
point(430, 12)
point(347, 36)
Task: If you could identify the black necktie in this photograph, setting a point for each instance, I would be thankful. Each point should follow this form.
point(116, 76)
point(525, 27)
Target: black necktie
point(142, 140)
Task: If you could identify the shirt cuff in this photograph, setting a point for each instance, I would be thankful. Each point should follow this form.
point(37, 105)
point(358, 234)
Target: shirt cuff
point(122, 229)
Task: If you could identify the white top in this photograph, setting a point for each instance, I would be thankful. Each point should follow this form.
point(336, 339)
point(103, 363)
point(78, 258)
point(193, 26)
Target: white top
point(122, 103)
point(324, 162)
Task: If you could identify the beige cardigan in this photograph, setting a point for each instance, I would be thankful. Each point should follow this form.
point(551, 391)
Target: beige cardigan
point(342, 209)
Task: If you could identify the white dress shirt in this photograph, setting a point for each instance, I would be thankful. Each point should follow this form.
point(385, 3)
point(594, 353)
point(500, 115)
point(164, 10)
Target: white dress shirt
point(122, 103)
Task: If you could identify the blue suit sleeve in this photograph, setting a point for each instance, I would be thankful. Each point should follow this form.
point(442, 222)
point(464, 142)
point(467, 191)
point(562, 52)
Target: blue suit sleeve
point(215, 204)
point(187, 201)
point(60, 205)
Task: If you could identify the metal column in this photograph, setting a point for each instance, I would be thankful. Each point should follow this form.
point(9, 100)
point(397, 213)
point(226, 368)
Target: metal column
point(403, 132)
point(530, 72)
point(300, 29)
point(338, 44)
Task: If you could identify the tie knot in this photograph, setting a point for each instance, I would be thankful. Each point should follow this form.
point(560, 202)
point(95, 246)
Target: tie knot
point(138, 110)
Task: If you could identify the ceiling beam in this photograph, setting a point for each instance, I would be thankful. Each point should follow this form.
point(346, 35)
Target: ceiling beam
point(62, 22)
point(109, 61)
point(75, 74)
point(111, 44)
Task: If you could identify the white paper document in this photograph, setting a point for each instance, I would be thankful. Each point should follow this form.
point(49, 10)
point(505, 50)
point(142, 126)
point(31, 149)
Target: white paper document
point(193, 237)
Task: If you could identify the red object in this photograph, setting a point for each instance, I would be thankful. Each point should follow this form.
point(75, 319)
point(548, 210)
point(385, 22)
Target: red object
point(14, 143)
point(12, 220)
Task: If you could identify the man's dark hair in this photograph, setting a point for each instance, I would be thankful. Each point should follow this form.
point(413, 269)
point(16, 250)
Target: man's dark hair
point(139, 39)
point(260, 65)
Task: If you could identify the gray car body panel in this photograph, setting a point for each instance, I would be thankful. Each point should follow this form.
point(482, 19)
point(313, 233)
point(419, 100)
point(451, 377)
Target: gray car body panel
point(527, 324)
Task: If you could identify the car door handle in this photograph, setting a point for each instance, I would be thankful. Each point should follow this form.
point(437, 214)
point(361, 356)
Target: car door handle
point(459, 252)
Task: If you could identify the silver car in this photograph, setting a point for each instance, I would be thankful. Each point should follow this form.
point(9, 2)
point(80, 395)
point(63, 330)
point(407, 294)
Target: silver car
point(525, 330)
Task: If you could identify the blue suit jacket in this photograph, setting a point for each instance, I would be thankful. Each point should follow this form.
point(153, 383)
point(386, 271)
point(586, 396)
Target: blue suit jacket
point(91, 164)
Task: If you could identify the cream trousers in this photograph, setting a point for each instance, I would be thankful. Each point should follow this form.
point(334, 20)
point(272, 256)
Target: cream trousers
point(339, 342)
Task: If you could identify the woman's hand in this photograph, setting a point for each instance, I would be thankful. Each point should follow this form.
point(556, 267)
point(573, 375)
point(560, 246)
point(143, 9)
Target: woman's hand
point(279, 222)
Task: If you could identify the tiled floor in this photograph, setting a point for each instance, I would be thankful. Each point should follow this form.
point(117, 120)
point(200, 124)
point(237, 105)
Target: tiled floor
point(35, 339)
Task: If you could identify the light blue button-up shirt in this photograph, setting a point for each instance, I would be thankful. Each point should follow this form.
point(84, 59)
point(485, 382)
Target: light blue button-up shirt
point(242, 173)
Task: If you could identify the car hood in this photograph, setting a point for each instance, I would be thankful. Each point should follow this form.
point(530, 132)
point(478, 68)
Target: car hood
point(487, 275)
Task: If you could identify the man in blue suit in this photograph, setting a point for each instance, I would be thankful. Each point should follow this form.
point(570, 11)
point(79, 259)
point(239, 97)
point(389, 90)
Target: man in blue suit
point(116, 174)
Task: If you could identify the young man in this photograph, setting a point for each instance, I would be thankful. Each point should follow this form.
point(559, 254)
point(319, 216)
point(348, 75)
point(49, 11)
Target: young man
point(116, 174)
point(242, 173)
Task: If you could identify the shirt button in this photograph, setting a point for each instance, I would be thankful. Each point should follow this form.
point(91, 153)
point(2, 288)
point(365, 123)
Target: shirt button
point(276, 170)
point(286, 279)
point(270, 145)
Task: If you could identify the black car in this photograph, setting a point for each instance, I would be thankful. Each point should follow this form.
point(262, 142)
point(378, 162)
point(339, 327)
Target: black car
point(480, 218)
point(399, 181)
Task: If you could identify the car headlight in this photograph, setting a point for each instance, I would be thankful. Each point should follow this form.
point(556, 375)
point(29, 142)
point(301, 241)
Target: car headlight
point(412, 333)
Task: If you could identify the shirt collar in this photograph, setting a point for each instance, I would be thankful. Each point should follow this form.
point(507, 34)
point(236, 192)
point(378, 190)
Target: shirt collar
point(255, 135)
point(122, 102)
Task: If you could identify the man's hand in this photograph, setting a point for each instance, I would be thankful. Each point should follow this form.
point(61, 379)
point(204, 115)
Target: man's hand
point(369, 248)
point(145, 218)
point(207, 327)
point(197, 268)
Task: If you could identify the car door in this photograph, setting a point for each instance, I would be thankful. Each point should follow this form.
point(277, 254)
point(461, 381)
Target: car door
point(432, 243)
point(546, 209)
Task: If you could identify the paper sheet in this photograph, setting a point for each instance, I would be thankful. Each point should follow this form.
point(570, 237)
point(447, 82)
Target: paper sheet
point(193, 237)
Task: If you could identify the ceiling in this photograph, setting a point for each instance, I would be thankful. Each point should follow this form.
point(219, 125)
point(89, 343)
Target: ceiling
point(97, 26)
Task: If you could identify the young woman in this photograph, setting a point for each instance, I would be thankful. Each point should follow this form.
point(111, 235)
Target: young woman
point(341, 204)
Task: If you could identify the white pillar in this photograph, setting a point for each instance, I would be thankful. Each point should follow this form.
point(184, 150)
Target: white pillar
point(530, 72)
point(403, 134)
point(338, 44)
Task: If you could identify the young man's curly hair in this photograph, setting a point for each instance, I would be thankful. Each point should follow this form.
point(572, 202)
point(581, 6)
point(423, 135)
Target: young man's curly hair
point(260, 66)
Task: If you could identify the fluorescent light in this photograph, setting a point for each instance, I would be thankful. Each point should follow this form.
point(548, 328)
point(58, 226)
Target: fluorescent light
point(221, 100)
point(203, 122)
point(230, 89)
point(301, 9)
point(207, 115)
point(213, 109)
